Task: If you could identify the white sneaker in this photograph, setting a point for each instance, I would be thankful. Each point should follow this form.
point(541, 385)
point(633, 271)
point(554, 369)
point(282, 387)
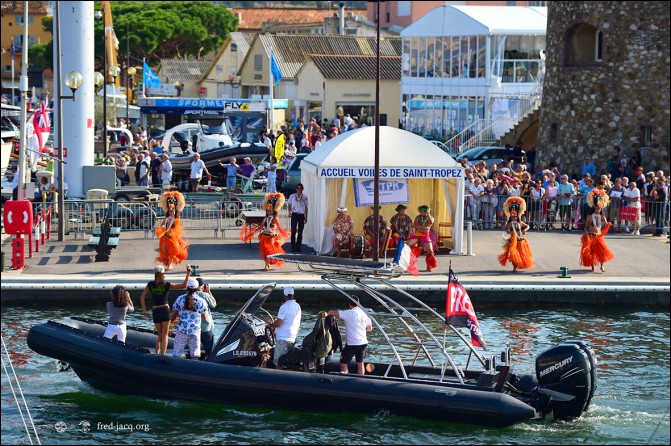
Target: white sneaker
point(637, 232)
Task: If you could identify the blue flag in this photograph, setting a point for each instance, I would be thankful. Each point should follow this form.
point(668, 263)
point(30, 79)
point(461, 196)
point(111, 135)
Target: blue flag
point(150, 78)
point(277, 74)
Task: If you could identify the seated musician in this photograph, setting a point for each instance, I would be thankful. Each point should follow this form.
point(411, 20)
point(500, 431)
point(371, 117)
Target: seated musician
point(369, 232)
point(342, 230)
point(401, 225)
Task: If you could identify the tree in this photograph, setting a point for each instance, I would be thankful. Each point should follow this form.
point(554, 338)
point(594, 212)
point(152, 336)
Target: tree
point(158, 30)
point(166, 30)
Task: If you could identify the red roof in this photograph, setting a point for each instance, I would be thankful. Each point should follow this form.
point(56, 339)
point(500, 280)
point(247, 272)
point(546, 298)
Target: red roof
point(252, 19)
point(35, 7)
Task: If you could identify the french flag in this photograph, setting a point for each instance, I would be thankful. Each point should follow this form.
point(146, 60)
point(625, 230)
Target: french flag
point(406, 258)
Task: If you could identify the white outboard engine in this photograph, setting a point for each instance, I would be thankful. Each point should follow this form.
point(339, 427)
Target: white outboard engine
point(566, 375)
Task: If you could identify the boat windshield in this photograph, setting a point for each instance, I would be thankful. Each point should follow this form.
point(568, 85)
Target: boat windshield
point(214, 130)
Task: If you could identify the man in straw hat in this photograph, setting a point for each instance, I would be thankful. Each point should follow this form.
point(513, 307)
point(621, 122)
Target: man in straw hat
point(342, 230)
point(400, 225)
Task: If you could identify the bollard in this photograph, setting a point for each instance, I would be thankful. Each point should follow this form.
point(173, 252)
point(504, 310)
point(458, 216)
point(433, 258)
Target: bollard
point(564, 272)
point(469, 238)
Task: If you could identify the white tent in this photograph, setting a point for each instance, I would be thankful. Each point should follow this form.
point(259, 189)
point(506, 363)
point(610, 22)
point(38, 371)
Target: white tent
point(328, 174)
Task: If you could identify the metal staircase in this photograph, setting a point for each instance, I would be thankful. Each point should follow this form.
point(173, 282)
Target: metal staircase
point(486, 132)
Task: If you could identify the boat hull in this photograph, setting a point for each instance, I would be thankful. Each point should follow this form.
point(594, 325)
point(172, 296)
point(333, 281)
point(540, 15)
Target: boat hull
point(132, 369)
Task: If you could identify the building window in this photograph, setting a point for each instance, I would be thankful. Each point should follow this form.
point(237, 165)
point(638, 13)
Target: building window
point(404, 9)
point(19, 19)
point(583, 45)
point(599, 46)
point(646, 135)
point(234, 47)
point(258, 62)
point(553, 133)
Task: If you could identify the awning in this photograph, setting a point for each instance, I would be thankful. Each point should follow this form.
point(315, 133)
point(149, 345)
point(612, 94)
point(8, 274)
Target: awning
point(9, 84)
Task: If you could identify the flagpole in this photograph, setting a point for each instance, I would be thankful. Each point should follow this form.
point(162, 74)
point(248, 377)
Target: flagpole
point(24, 94)
point(271, 81)
point(144, 84)
point(13, 86)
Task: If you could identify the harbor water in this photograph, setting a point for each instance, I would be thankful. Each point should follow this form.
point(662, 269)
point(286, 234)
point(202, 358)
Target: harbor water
point(631, 404)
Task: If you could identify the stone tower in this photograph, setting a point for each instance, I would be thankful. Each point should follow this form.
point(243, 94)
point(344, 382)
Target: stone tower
point(606, 84)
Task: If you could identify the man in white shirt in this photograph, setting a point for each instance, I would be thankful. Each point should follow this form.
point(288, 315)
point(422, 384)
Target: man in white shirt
point(141, 170)
point(632, 196)
point(197, 168)
point(166, 171)
point(286, 325)
point(298, 213)
point(357, 323)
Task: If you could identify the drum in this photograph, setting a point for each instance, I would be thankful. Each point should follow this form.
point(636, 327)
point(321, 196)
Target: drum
point(356, 246)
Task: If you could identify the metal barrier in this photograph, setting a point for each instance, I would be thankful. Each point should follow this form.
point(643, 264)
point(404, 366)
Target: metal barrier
point(221, 214)
point(548, 214)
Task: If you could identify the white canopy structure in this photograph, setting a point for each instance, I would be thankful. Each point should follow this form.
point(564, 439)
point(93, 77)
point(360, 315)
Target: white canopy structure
point(458, 20)
point(331, 173)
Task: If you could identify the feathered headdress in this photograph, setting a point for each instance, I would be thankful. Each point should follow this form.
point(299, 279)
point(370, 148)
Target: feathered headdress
point(273, 201)
point(515, 206)
point(597, 195)
point(173, 200)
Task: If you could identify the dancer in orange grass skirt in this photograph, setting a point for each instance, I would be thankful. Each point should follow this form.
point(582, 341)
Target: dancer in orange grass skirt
point(594, 249)
point(172, 248)
point(516, 249)
point(271, 233)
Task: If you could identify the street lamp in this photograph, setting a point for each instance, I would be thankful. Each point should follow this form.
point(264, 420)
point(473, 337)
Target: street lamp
point(73, 80)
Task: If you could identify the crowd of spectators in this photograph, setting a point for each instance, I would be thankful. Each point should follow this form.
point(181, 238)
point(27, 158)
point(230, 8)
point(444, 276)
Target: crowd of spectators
point(556, 199)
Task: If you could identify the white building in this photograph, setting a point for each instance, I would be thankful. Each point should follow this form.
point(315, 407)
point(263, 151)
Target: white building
point(463, 64)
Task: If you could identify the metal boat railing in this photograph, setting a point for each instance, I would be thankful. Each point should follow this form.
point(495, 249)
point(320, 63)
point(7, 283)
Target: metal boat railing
point(422, 339)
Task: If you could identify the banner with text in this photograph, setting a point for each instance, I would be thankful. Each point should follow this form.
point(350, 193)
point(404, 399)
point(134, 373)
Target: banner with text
point(391, 172)
point(391, 192)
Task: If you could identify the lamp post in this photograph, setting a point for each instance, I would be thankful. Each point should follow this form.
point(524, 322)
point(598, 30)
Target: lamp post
point(113, 71)
point(73, 80)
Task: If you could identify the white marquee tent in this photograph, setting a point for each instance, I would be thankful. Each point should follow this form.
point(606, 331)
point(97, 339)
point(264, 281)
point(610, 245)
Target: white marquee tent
point(331, 173)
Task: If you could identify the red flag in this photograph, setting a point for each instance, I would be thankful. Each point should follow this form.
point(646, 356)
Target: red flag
point(42, 122)
point(459, 310)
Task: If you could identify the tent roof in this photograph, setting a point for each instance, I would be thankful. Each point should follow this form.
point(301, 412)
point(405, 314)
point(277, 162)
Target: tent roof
point(480, 20)
point(398, 148)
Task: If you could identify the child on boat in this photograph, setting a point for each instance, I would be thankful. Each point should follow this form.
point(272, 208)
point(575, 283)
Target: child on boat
point(117, 308)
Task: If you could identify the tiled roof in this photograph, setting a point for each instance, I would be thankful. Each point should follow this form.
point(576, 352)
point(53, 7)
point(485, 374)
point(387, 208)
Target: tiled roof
point(291, 50)
point(242, 40)
point(253, 19)
point(357, 67)
point(184, 70)
point(34, 7)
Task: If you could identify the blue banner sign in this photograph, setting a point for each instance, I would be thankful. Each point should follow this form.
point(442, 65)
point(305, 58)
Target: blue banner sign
point(188, 105)
point(390, 192)
point(391, 172)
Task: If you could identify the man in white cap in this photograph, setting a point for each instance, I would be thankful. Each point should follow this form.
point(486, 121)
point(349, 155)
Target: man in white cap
point(286, 325)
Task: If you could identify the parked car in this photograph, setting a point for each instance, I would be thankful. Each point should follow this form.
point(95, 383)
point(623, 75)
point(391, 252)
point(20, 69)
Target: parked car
point(136, 215)
point(291, 175)
point(490, 155)
point(441, 145)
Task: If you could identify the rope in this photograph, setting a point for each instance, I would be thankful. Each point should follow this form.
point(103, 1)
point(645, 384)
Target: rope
point(18, 385)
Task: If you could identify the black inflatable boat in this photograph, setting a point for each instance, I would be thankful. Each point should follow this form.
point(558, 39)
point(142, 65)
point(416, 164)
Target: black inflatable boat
point(423, 375)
